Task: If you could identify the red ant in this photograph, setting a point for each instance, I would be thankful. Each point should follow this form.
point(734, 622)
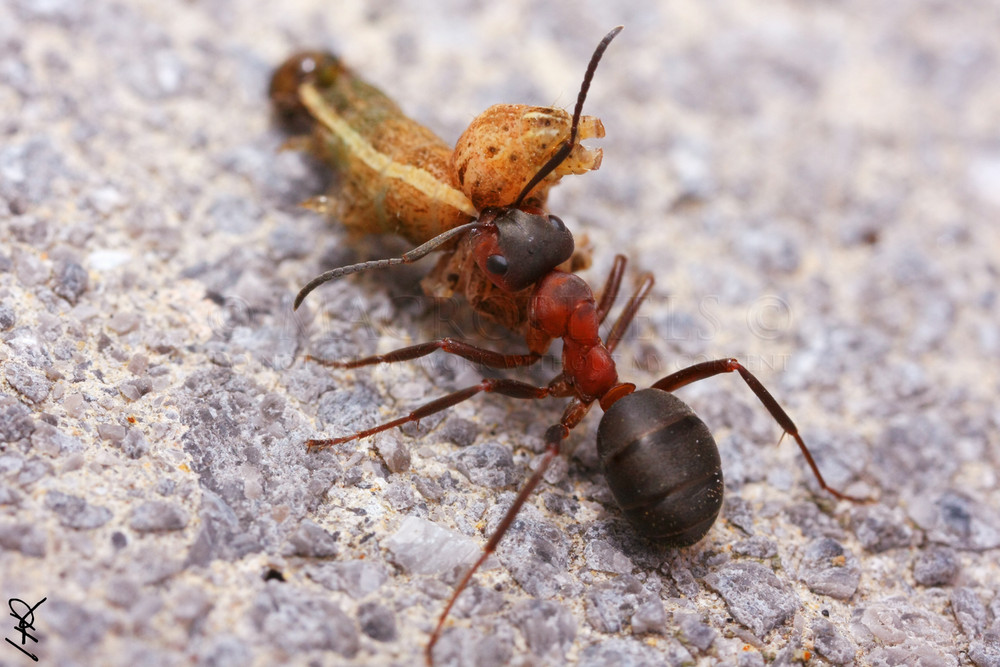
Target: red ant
point(659, 458)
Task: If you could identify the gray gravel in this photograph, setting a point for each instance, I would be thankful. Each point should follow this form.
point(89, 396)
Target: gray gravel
point(815, 186)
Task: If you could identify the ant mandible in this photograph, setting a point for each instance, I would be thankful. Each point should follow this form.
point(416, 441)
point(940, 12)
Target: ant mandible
point(659, 458)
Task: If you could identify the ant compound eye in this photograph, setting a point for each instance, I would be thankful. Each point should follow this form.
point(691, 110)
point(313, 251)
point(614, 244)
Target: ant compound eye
point(557, 223)
point(496, 264)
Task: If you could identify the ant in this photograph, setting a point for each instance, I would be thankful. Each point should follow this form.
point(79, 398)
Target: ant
point(660, 460)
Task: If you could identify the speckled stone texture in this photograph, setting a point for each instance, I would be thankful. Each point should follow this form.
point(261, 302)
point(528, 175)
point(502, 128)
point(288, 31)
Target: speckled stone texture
point(816, 187)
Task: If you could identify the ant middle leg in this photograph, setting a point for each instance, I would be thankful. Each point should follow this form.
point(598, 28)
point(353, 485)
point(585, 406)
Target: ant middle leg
point(512, 388)
point(707, 369)
point(478, 355)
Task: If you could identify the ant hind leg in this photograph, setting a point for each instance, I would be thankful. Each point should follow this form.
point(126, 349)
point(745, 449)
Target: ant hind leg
point(707, 369)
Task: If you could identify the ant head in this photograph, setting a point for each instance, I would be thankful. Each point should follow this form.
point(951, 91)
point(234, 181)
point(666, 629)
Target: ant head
point(517, 248)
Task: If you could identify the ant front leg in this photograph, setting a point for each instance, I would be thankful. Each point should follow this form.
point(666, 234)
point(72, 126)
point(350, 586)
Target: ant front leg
point(611, 287)
point(573, 415)
point(707, 369)
point(628, 314)
point(478, 355)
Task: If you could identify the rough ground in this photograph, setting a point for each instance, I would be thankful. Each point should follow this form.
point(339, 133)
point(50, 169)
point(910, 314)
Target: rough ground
point(814, 185)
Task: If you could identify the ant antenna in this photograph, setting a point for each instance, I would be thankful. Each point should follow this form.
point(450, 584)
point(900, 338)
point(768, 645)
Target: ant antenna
point(567, 146)
point(408, 257)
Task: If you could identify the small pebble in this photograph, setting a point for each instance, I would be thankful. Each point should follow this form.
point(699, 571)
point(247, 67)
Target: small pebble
point(156, 516)
point(936, 566)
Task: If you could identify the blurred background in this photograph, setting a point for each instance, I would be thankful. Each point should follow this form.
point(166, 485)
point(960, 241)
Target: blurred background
point(813, 185)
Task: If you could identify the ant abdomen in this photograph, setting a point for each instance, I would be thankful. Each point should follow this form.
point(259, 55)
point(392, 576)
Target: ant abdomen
point(662, 465)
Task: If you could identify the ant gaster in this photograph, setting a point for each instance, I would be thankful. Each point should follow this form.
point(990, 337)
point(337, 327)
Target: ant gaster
point(658, 457)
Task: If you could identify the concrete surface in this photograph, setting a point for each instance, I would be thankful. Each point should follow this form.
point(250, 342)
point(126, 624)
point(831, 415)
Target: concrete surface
point(814, 185)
